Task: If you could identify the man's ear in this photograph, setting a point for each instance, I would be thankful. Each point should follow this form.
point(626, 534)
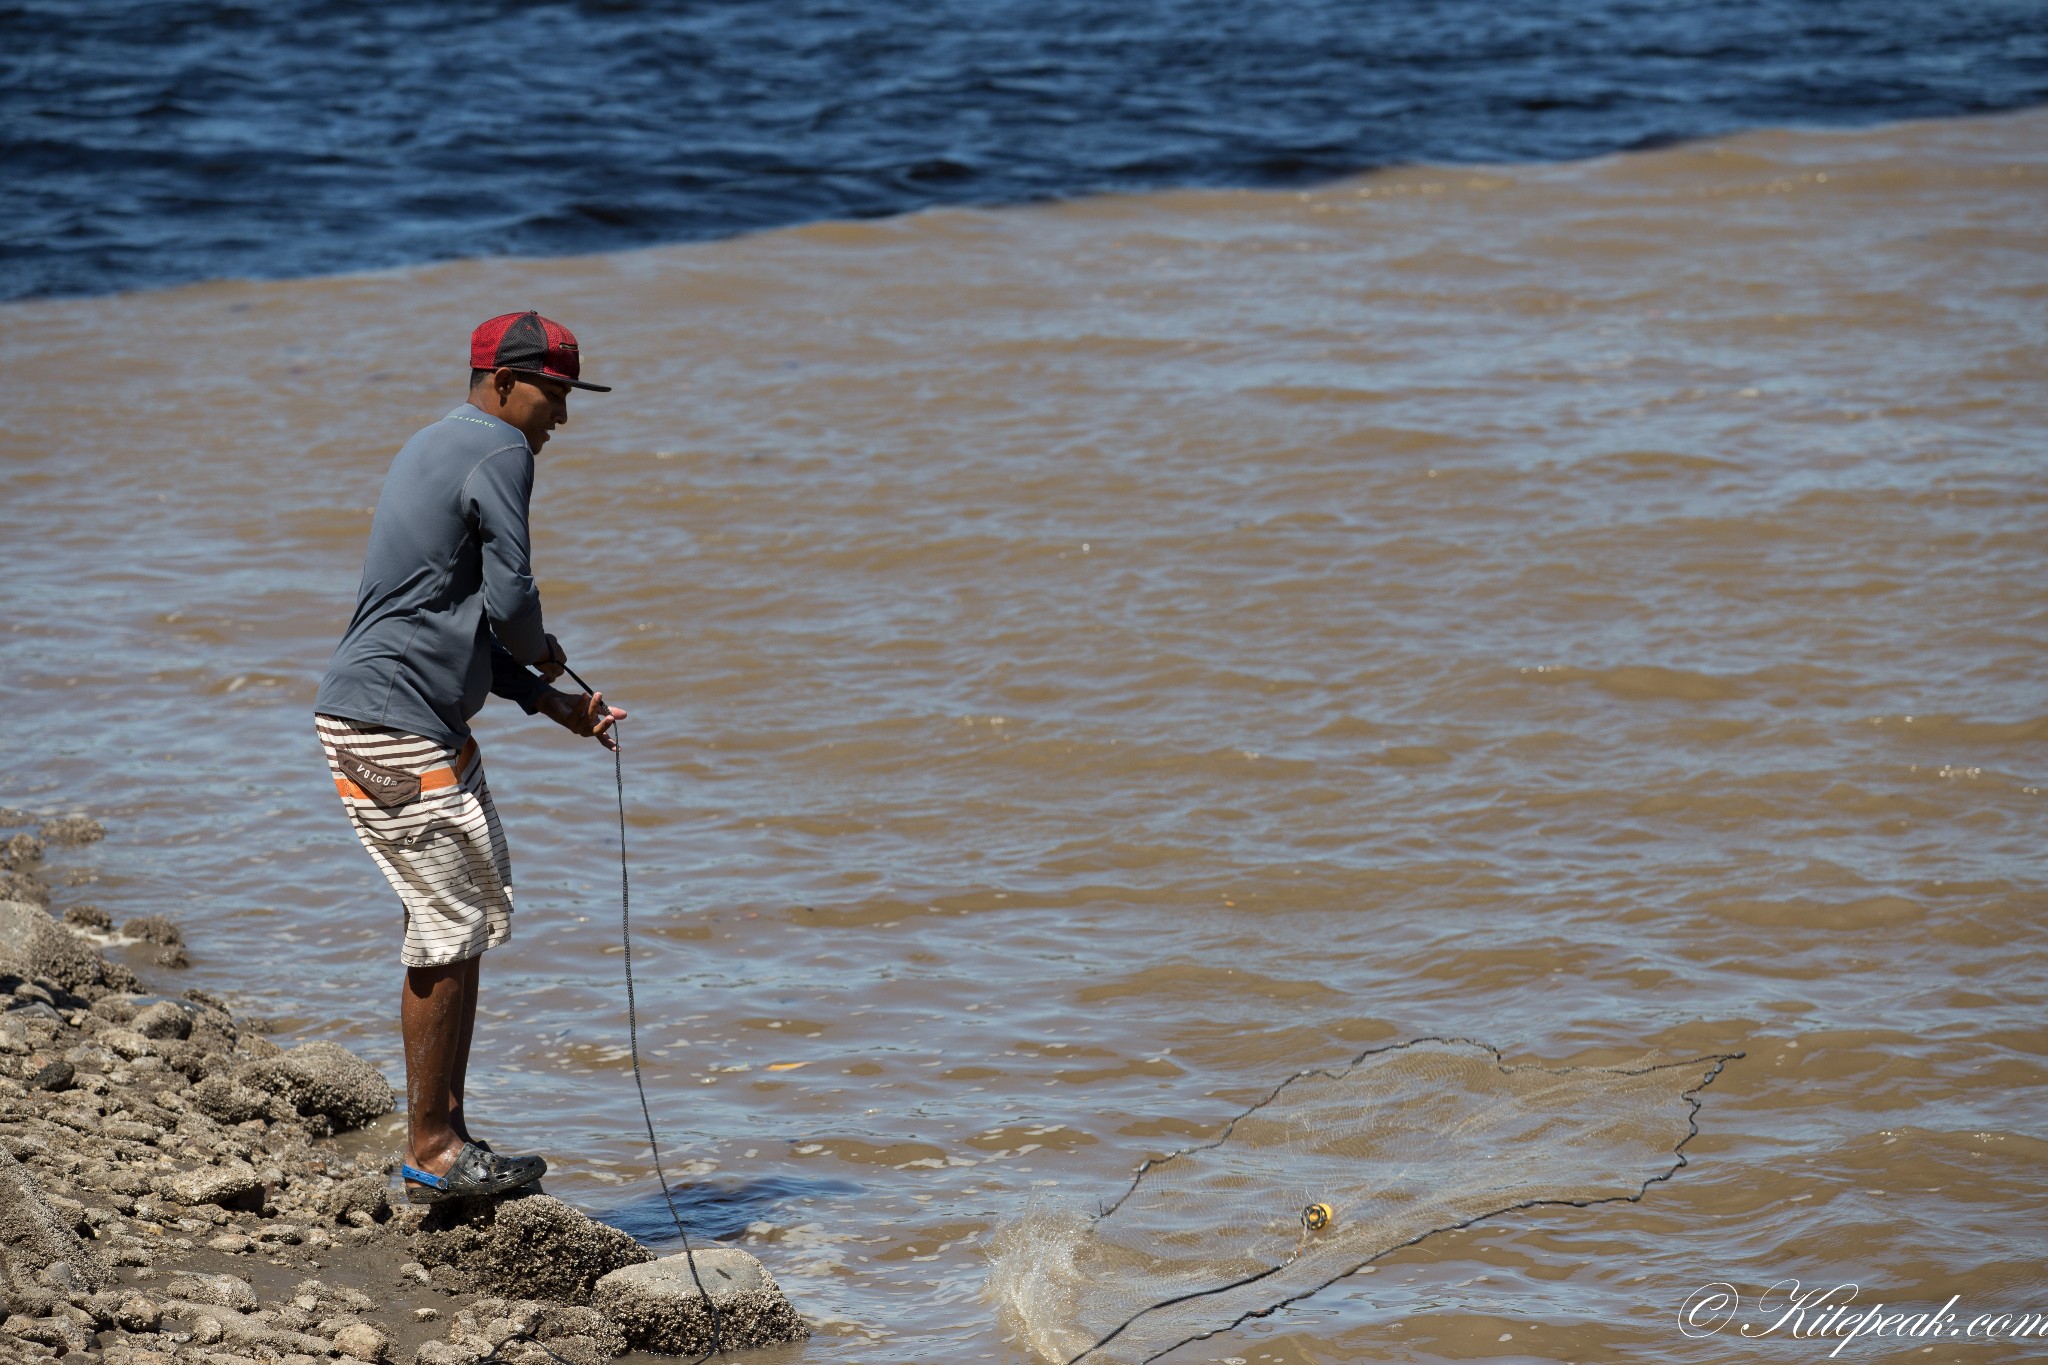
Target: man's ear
point(502, 384)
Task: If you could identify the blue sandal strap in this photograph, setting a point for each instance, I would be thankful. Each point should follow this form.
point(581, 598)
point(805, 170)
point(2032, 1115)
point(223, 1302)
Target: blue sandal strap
point(432, 1182)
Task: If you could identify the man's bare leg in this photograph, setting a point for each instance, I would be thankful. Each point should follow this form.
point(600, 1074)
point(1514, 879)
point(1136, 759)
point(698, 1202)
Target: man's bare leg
point(430, 1016)
point(456, 1119)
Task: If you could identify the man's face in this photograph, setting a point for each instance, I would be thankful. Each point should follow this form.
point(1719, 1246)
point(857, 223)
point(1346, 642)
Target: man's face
point(535, 406)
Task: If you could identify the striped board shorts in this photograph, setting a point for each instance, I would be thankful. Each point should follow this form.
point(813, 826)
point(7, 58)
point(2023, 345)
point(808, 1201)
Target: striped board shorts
point(443, 850)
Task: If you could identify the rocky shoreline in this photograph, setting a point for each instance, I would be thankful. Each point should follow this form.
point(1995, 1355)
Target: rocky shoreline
point(169, 1194)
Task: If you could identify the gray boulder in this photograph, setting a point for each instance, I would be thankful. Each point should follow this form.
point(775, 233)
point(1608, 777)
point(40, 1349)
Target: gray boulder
point(225, 1291)
point(360, 1341)
point(504, 1324)
point(221, 1099)
point(21, 851)
point(322, 1078)
point(52, 1076)
point(36, 946)
point(154, 929)
point(232, 1184)
point(530, 1245)
point(366, 1195)
point(165, 1019)
point(122, 1042)
point(121, 1009)
point(24, 886)
point(89, 917)
point(659, 1305)
point(58, 1331)
point(73, 829)
point(36, 1238)
point(20, 931)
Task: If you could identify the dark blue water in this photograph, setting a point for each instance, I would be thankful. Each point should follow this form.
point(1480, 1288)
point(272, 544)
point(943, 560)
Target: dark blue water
point(727, 1208)
point(151, 143)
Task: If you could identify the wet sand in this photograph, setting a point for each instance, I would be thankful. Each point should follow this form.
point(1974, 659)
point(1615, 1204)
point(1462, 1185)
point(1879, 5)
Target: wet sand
point(1091, 662)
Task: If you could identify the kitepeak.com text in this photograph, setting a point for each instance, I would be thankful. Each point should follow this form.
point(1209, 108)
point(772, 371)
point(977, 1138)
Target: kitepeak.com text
point(1843, 1313)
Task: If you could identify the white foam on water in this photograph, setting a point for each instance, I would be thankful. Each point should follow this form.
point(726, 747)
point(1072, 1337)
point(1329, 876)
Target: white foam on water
point(1033, 1278)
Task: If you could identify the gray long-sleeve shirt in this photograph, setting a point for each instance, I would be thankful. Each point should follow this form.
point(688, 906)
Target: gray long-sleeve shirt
point(447, 611)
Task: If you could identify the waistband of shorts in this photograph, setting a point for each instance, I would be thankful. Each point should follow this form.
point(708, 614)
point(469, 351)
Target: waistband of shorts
point(438, 778)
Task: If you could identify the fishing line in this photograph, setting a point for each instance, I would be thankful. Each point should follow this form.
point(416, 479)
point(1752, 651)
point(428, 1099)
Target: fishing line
point(633, 1033)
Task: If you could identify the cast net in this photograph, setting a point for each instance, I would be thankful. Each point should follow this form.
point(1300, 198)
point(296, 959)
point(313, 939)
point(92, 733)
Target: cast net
point(1333, 1169)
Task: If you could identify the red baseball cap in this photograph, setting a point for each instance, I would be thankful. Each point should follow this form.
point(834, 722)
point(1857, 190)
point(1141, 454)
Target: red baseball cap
point(531, 344)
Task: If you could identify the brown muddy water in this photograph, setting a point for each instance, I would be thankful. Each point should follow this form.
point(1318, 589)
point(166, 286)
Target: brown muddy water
point(1090, 662)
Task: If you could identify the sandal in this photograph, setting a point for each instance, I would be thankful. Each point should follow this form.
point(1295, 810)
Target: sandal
point(474, 1171)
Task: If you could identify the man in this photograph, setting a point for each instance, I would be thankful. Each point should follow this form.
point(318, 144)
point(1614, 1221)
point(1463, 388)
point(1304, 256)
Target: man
point(448, 614)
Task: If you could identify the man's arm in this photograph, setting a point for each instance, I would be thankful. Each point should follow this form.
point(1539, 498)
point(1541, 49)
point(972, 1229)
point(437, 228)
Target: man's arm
point(496, 496)
point(511, 681)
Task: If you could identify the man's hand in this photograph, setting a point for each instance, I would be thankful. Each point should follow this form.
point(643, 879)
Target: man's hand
point(550, 667)
point(584, 715)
